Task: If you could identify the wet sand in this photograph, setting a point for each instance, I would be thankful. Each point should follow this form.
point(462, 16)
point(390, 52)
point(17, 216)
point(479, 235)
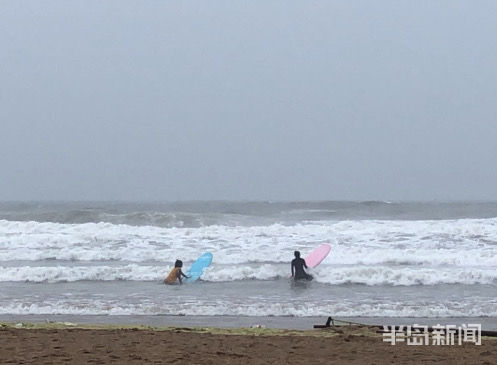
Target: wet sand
point(59, 344)
point(300, 323)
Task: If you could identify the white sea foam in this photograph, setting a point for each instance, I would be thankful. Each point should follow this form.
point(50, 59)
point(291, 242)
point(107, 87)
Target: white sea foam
point(467, 242)
point(225, 308)
point(53, 274)
point(367, 275)
point(365, 252)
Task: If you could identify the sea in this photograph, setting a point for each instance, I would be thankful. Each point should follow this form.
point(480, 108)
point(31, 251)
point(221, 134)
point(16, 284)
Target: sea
point(387, 259)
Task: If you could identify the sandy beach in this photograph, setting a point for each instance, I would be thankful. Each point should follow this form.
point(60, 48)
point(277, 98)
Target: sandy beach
point(56, 343)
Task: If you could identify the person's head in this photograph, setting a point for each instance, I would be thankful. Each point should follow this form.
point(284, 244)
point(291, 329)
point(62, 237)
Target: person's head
point(297, 254)
point(178, 263)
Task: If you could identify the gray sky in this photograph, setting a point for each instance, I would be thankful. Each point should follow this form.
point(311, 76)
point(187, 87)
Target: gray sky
point(291, 100)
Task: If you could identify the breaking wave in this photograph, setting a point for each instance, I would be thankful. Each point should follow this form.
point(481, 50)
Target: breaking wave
point(366, 275)
point(226, 308)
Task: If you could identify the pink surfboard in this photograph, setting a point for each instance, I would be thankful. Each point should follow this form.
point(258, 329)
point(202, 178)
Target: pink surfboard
point(317, 255)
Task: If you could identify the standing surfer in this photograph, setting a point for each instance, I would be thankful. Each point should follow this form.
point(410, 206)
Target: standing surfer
point(298, 264)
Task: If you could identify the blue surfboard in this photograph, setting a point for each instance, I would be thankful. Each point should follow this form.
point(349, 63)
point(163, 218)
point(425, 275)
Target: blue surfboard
point(198, 267)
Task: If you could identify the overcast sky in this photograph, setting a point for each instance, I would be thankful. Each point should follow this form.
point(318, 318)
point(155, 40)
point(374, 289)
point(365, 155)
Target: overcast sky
point(279, 100)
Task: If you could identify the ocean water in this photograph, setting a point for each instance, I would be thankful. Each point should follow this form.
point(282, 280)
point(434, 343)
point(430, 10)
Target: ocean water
point(388, 259)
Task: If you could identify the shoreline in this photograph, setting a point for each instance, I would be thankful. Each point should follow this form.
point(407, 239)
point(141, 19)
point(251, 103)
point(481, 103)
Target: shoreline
point(289, 323)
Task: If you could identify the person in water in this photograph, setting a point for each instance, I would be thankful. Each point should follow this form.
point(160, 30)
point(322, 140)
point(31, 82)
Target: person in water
point(298, 264)
point(175, 274)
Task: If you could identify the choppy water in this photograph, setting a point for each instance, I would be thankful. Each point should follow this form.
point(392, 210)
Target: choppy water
point(387, 259)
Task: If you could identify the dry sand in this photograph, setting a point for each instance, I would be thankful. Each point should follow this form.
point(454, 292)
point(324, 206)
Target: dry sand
point(57, 344)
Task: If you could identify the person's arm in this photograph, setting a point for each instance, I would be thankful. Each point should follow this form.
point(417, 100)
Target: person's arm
point(181, 273)
point(305, 265)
